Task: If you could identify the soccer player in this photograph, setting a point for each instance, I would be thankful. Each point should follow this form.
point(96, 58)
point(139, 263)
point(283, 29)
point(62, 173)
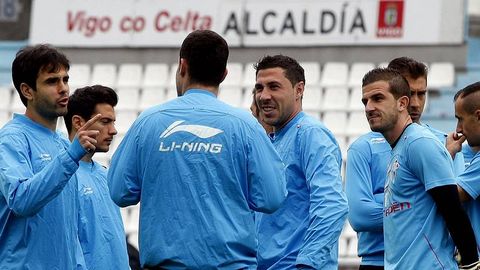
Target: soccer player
point(101, 232)
point(200, 168)
point(366, 170)
point(416, 75)
point(304, 232)
point(367, 161)
point(421, 205)
point(39, 199)
point(467, 112)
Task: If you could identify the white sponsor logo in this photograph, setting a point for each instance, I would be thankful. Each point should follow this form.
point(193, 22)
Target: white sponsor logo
point(197, 130)
point(377, 140)
point(87, 190)
point(200, 131)
point(45, 157)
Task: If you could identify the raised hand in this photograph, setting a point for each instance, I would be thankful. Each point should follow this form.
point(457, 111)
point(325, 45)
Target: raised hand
point(88, 137)
point(454, 143)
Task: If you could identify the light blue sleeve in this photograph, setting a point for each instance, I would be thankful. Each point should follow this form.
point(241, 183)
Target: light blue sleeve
point(27, 193)
point(469, 180)
point(365, 211)
point(123, 175)
point(458, 164)
point(321, 161)
point(430, 162)
point(79, 256)
point(266, 174)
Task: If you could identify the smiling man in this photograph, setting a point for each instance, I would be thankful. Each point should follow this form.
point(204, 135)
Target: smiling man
point(100, 231)
point(304, 232)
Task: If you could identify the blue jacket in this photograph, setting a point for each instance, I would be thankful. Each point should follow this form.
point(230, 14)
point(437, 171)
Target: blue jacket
point(305, 230)
point(198, 167)
point(366, 171)
point(470, 182)
point(458, 161)
point(38, 206)
point(416, 235)
point(101, 232)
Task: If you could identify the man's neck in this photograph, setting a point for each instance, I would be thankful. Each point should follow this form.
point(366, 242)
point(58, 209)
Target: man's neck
point(50, 123)
point(393, 134)
point(290, 118)
point(88, 158)
point(212, 89)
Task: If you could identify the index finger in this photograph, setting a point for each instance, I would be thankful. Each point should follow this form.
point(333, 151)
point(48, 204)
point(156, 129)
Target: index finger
point(90, 122)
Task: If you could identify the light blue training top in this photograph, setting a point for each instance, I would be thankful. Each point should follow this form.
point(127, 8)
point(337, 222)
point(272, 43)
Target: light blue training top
point(366, 171)
point(39, 202)
point(470, 182)
point(468, 154)
point(458, 161)
point(416, 236)
point(101, 232)
point(200, 168)
point(305, 230)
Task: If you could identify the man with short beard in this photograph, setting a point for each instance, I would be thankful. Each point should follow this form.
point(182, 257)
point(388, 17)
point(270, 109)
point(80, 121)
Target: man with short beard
point(39, 202)
point(421, 205)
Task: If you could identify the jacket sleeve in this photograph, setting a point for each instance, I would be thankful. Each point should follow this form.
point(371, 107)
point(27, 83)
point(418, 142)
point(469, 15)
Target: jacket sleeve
point(267, 185)
point(458, 164)
point(123, 175)
point(366, 208)
point(25, 191)
point(468, 180)
point(321, 159)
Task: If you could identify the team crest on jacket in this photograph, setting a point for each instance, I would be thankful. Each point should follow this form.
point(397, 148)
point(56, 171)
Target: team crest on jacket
point(200, 131)
point(391, 176)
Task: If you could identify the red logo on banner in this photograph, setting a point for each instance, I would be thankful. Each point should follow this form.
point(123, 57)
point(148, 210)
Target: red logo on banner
point(390, 18)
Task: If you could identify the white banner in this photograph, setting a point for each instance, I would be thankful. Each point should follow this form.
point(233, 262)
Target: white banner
point(150, 23)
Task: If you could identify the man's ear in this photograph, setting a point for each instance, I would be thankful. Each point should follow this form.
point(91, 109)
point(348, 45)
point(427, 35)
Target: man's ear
point(403, 103)
point(299, 88)
point(477, 114)
point(182, 67)
point(26, 91)
point(224, 75)
point(77, 122)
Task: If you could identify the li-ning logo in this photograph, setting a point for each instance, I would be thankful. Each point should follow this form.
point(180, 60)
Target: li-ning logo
point(377, 140)
point(45, 157)
point(87, 190)
point(202, 132)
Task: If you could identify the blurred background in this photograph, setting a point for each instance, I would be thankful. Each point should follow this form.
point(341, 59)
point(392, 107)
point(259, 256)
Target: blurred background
point(132, 46)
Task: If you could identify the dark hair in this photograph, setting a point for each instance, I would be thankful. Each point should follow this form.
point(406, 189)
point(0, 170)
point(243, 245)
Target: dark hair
point(472, 104)
point(398, 84)
point(292, 69)
point(206, 53)
point(83, 101)
point(30, 60)
point(409, 68)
